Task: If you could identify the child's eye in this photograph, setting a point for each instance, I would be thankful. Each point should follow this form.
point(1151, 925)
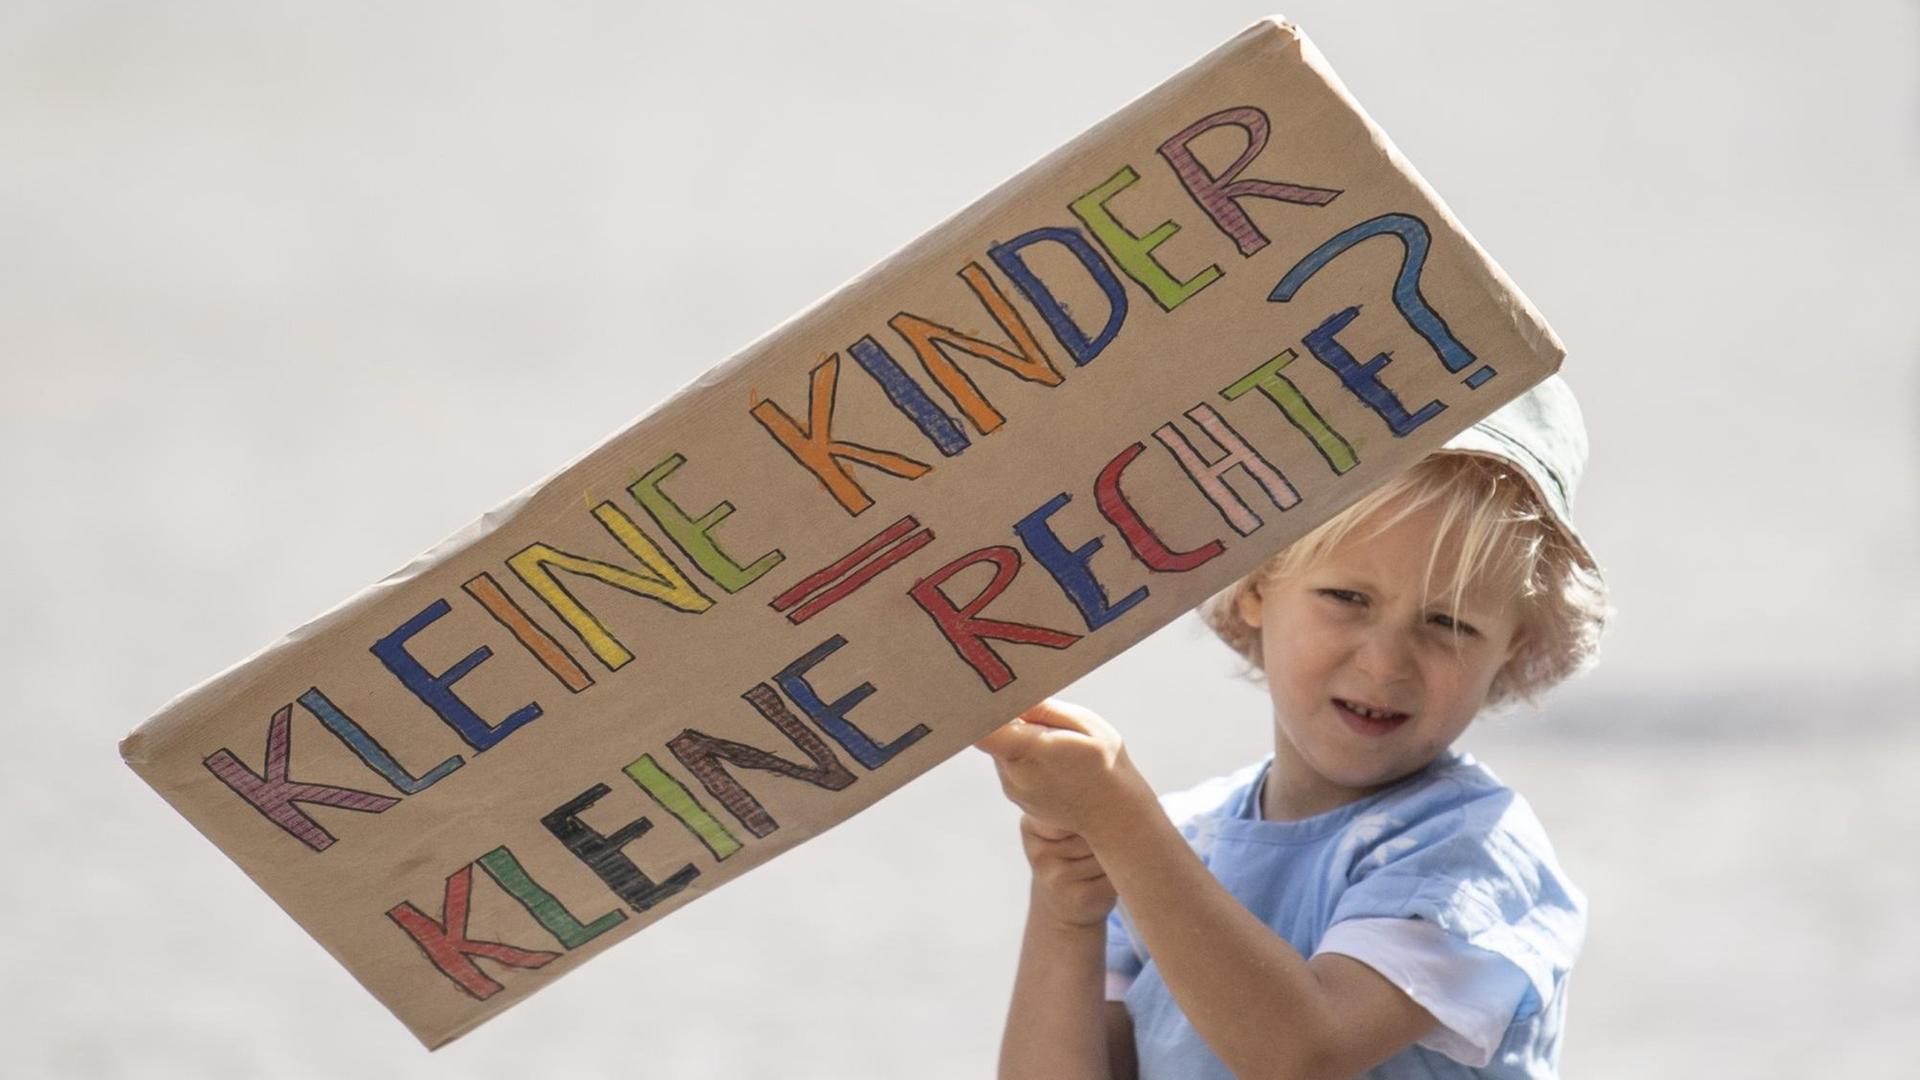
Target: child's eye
point(1457, 626)
point(1344, 596)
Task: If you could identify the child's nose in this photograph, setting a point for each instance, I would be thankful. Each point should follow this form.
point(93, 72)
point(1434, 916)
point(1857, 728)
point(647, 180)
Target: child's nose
point(1385, 654)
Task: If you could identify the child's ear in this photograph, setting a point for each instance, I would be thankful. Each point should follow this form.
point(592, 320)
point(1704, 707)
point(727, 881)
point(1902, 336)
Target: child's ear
point(1249, 605)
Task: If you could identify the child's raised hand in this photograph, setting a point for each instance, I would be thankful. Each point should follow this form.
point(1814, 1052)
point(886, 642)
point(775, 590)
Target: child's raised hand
point(1065, 766)
point(1067, 878)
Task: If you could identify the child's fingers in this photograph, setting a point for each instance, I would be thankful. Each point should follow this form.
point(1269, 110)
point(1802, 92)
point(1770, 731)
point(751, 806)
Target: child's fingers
point(1070, 847)
point(1084, 868)
point(1055, 834)
point(1055, 713)
point(1058, 876)
point(1068, 872)
point(1046, 830)
point(1040, 727)
point(1056, 866)
point(1008, 742)
point(1078, 871)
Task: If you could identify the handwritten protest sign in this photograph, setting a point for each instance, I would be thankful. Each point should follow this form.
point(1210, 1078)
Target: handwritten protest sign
point(991, 463)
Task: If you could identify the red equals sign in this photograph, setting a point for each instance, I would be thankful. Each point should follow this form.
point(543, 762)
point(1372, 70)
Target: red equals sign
point(826, 587)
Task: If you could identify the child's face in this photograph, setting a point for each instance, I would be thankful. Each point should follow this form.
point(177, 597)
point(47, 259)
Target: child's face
point(1371, 678)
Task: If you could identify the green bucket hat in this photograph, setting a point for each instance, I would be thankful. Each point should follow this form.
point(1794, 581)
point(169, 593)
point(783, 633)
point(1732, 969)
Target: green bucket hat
point(1541, 434)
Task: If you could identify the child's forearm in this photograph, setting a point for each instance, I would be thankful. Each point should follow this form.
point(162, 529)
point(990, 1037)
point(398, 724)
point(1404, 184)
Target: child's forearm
point(1056, 1026)
point(1215, 956)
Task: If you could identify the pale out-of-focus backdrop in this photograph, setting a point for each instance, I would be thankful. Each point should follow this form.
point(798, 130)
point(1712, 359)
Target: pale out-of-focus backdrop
point(289, 292)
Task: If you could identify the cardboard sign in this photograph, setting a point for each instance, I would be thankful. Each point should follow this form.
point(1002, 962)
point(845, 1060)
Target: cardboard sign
point(982, 469)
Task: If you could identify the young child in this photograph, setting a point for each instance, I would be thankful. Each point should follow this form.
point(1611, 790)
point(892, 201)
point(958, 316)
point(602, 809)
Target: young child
point(1366, 899)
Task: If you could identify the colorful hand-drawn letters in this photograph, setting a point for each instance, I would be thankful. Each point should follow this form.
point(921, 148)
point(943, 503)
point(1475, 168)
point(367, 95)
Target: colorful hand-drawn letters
point(979, 471)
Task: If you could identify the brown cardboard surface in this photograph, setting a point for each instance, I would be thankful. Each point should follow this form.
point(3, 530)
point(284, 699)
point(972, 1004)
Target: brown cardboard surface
point(727, 636)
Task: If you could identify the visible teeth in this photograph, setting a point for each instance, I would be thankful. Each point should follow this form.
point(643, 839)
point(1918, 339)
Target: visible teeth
point(1371, 714)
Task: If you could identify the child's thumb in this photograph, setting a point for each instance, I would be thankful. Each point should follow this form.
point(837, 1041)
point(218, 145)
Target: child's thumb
point(1055, 713)
point(1004, 741)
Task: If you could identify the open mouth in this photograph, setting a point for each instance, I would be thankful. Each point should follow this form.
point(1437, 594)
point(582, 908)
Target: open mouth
point(1369, 719)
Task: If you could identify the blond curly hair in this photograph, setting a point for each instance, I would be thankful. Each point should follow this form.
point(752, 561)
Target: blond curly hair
point(1500, 533)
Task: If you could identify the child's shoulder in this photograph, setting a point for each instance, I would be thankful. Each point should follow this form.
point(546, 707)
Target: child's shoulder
point(1458, 848)
point(1459, 786)
point(1456, 795)
point(1456, 808)
point(1219, 797)
point(1454, 781)
point(1456, 837)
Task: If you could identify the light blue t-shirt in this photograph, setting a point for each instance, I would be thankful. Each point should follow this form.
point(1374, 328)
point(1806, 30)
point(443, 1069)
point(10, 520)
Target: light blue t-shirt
point(1449, 844)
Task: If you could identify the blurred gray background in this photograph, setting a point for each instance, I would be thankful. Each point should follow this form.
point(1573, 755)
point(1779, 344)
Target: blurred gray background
point(289, 293)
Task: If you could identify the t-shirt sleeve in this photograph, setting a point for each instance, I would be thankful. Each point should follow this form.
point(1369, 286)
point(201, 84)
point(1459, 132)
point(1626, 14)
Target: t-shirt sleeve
point(1483, 872)
point(1473, 993)
point(1124, 961)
